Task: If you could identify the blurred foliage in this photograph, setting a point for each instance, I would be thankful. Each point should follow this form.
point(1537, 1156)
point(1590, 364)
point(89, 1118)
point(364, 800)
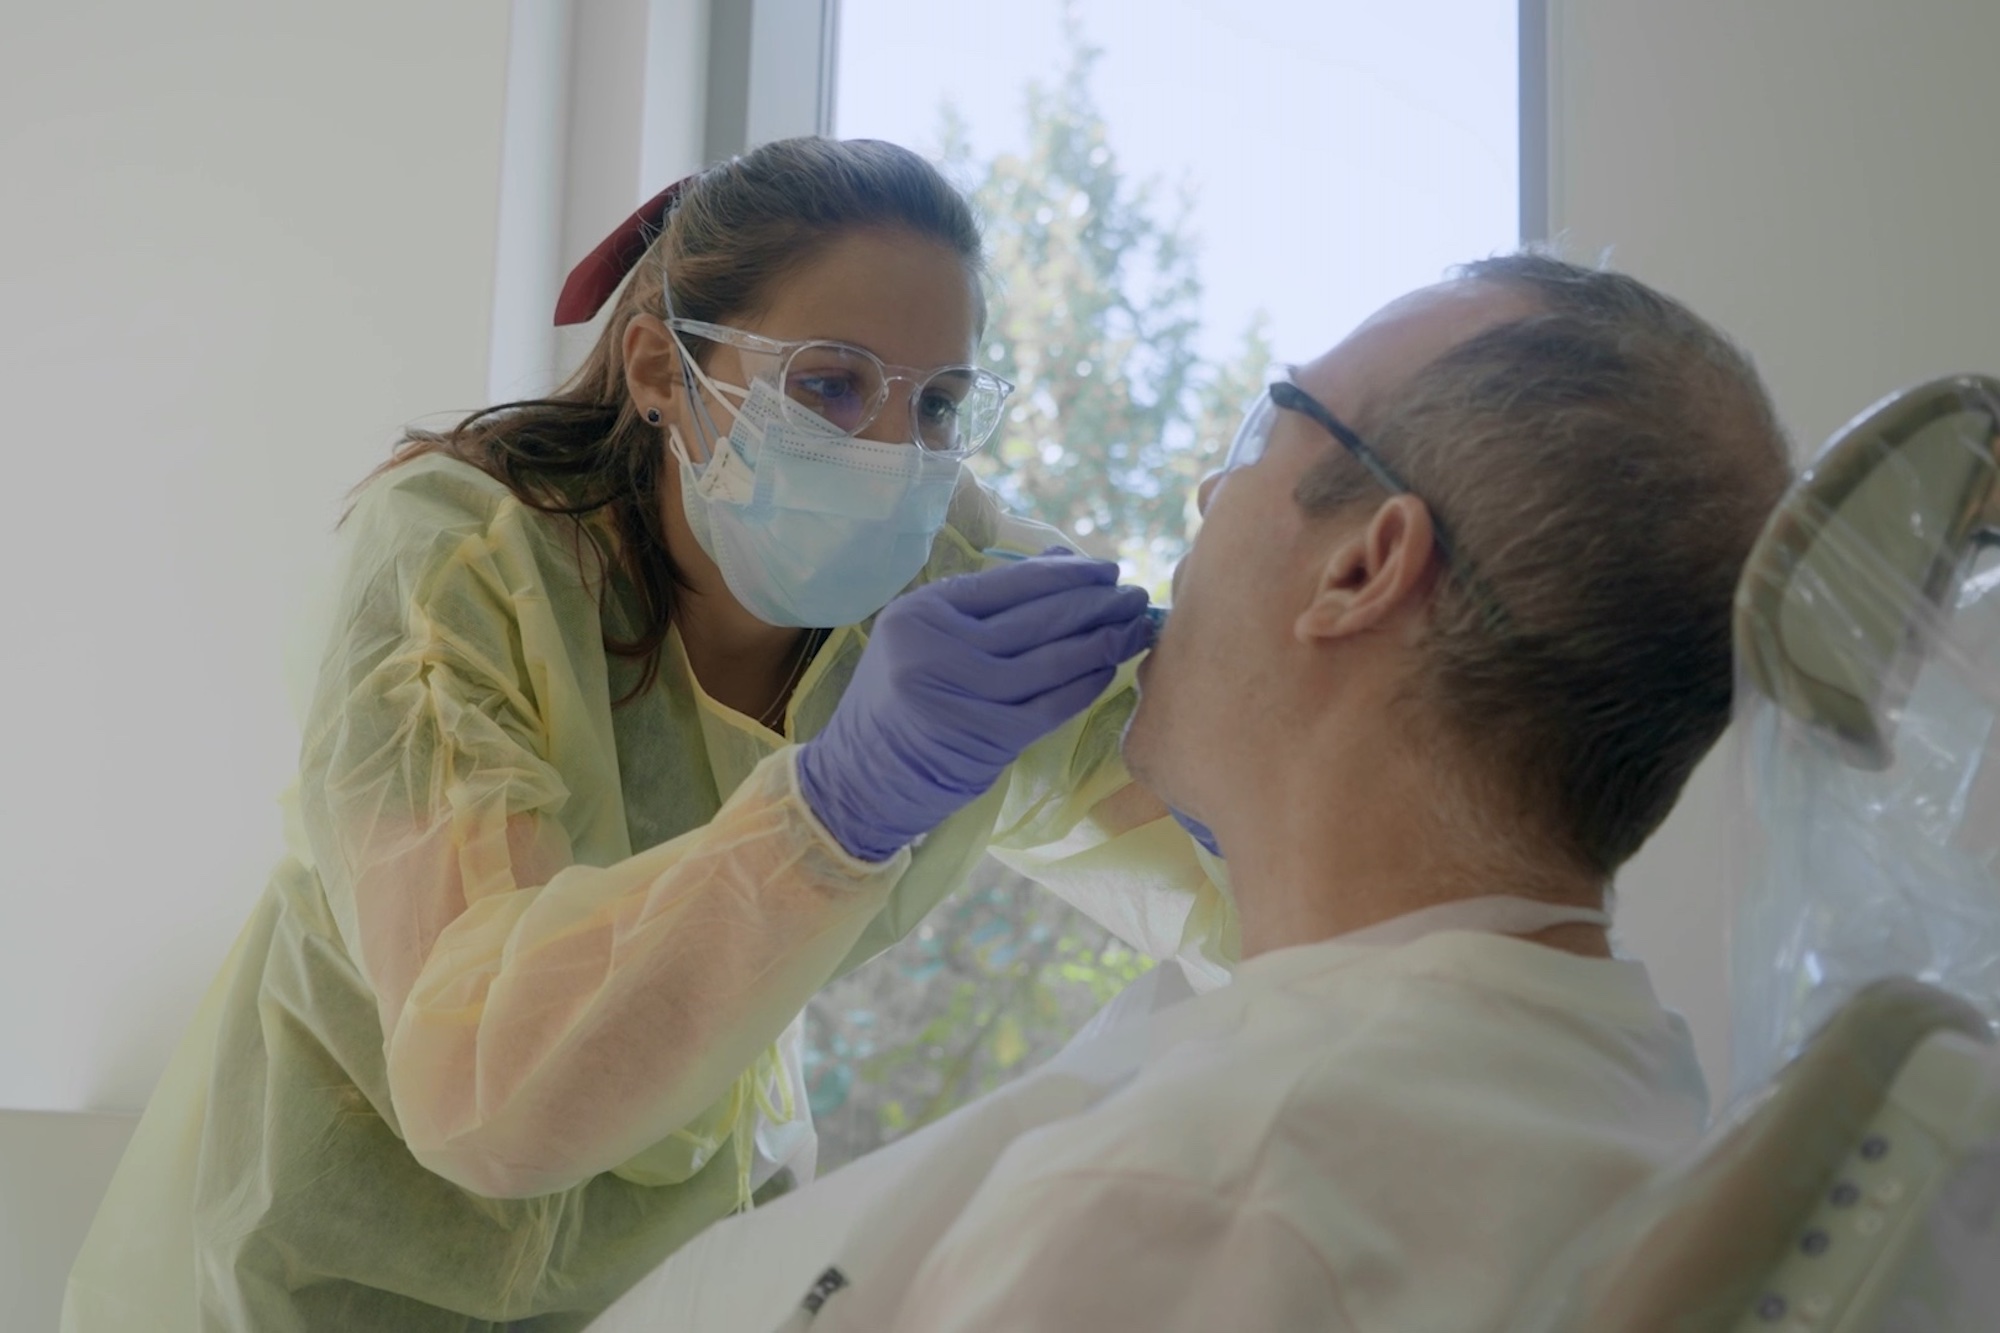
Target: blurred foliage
point(1115, 419)
point(993, 982)
point(1096, 316)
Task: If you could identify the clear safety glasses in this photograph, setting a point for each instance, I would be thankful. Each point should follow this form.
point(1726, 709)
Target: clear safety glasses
point(1253, 437)
point(953, 409)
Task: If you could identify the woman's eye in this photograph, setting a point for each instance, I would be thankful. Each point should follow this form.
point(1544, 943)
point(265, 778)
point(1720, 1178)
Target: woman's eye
point(938, 407)
point(838, 397)
point(830, 389)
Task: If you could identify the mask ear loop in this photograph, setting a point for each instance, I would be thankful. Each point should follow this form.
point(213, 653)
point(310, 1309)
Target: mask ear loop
point(705, 427)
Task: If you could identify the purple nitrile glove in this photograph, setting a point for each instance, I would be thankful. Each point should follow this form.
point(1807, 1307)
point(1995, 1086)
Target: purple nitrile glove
point(958, 678)
point(1198, 831)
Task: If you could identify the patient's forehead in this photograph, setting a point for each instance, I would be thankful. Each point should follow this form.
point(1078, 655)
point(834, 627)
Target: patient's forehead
point(1371, 364)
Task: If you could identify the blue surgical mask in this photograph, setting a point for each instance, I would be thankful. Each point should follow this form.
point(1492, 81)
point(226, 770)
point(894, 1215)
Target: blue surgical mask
point(809, 525)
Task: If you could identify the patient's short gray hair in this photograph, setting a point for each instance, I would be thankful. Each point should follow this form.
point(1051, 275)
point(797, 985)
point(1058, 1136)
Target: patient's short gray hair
point(1605, 466)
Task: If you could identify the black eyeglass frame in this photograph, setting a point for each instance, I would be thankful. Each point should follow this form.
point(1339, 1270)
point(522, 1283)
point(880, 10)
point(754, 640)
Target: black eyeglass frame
point(1291, 398)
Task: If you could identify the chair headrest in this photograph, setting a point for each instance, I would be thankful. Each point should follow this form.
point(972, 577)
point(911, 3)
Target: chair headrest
point(1865, 554)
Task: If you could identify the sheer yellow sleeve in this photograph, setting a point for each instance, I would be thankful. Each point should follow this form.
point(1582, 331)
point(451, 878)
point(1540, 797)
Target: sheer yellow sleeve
point(547, 1014)
point(1076, 822)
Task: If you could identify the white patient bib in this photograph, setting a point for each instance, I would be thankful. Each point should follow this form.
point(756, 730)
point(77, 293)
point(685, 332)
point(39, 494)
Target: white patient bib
point(1499, 914)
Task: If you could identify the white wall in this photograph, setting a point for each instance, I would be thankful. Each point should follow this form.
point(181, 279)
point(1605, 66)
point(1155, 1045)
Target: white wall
point(242, 242)
point(1817, 177)
point(604, 109)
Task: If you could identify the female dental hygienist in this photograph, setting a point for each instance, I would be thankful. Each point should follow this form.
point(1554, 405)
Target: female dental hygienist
point(608, 770)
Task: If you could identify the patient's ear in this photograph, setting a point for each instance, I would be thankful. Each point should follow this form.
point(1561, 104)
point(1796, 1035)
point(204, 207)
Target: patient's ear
point(1371, 575)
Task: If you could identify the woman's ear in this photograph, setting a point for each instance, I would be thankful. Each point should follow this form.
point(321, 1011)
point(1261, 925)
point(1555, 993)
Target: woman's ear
point(652, 364)
point(1372, 574)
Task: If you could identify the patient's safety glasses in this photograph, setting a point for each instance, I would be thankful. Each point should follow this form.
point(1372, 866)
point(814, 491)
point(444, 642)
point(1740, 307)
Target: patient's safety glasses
point(1253, 437)
point(953, 409)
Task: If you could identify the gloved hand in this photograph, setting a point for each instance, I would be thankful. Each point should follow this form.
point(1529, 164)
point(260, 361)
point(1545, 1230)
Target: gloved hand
point(1198, 830)
point(959, 677)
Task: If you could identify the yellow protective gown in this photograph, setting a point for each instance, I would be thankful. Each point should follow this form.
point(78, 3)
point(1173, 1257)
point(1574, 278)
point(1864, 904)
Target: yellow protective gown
point(501, 1030)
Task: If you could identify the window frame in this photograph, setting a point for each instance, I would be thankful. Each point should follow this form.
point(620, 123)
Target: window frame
point(1535, 117)
point(771, 70)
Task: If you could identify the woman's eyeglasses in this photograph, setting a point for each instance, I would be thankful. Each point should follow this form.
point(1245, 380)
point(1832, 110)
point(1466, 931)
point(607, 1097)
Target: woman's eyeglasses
point(953, 409)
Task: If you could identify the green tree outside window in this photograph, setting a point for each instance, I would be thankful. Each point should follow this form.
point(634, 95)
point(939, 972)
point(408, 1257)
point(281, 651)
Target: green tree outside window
point(1096, 303)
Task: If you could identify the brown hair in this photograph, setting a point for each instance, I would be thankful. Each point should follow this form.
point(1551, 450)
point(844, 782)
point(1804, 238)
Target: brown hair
point(1603, 467)
point(736, 231)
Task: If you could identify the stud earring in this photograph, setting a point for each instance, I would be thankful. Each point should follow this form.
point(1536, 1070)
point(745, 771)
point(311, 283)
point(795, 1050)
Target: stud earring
point(652, 416)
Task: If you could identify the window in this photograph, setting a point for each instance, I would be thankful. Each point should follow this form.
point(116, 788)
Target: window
point(1175, 196)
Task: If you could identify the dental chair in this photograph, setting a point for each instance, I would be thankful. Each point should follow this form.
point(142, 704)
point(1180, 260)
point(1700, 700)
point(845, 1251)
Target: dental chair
point(1858, 1186)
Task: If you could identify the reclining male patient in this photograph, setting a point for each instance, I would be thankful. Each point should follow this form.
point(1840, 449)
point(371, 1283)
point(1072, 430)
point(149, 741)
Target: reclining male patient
point(1453, 635)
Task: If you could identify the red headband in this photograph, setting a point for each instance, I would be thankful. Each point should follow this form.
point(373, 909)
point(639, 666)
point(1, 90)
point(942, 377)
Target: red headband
point(597, 275)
